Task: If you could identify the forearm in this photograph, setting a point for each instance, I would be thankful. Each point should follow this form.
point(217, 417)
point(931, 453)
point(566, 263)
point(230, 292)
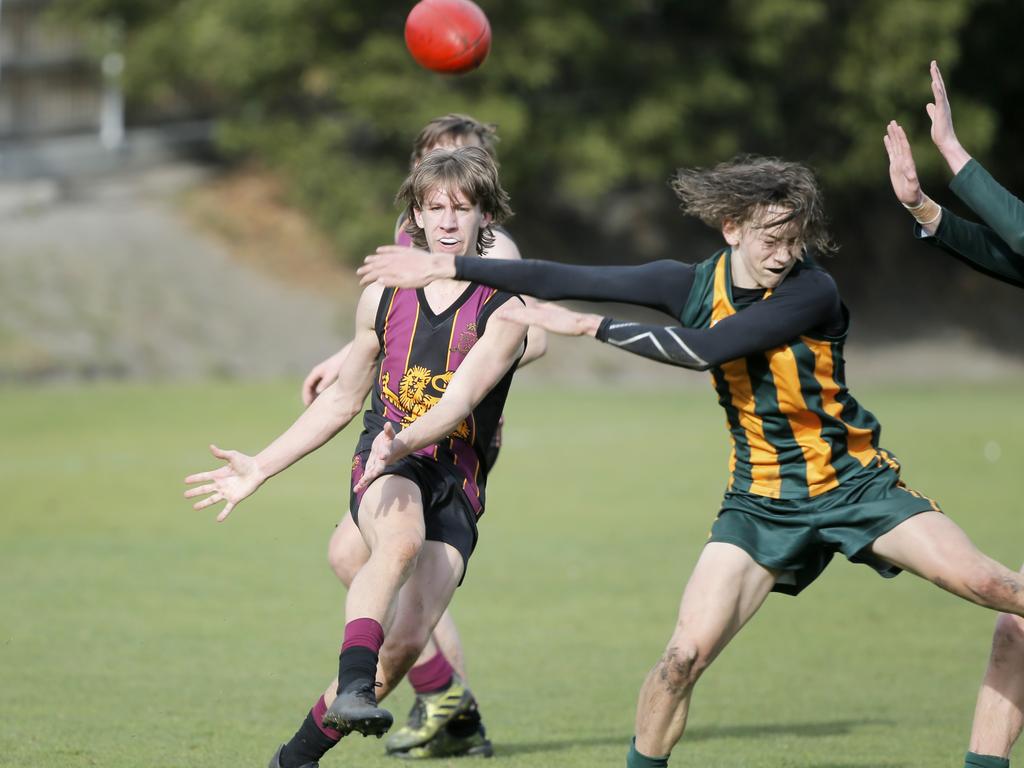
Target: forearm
point(661, 343)
point(1000, 210)
point(326, 416)
point(956, 156)
point(662, 285)
point(981, 248)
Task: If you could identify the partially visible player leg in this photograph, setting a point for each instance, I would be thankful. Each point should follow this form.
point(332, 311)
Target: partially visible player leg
point(443, 699)
point(421, 600)
point(935, 548)
point(346, 551)
point(725, 589)
point(999, 713)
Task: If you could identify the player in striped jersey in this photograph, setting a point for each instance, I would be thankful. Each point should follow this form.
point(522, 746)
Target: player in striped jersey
point(995, 248)
point(439, 364)
point(444, 719)
point(807, 477)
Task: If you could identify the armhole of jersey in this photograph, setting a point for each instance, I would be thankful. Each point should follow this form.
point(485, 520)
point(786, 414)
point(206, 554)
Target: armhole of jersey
point(497, 300)
point(382, 311)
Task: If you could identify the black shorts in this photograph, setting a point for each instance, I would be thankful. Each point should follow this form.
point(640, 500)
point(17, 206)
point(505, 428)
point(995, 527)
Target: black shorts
point(448, 516)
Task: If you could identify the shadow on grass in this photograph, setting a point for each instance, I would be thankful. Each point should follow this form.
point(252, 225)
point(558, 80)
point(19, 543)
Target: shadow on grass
point(812, 730)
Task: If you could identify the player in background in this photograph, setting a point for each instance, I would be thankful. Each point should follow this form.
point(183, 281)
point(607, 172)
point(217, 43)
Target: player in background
point(444, 720)
point(807, 477)
point(997, 249)
point(439, 364)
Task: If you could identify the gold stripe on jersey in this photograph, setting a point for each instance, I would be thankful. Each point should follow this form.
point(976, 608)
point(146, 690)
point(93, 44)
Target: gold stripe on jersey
point(387, 321)
point(765, 474)
point(451, 340)
point(803, 422)
point(858, 440)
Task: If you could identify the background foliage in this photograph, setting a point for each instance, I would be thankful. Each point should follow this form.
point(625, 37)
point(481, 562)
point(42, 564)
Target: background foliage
point(596, 104)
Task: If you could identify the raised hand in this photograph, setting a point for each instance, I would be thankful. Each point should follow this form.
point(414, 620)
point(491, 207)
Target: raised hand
point(902, 170)
point(551, 317)
point(939, 111)
point(381, 453)
point(401, 267)
point(942, 124)
point(231, 483)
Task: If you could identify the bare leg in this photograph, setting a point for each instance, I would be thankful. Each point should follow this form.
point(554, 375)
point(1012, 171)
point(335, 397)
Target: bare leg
point(935, 548)
point(999, 714)
point(421, 601)
point(347, 553)
point(725, 589)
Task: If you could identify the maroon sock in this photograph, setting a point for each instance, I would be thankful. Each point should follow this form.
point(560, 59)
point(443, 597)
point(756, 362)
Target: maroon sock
point(433, 675)
point(311, 741)
point(358, 661)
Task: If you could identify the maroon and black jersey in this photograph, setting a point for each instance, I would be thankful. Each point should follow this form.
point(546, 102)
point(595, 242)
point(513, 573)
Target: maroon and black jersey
point(420, 352)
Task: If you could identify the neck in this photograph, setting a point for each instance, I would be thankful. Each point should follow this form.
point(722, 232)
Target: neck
point(741, 277)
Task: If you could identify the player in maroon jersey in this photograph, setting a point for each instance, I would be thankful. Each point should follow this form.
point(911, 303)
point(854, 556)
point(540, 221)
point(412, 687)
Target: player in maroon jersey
point(439, 365)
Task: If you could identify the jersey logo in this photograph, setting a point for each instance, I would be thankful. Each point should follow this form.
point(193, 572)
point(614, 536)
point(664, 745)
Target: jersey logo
point(466, 340)
point(419, 390)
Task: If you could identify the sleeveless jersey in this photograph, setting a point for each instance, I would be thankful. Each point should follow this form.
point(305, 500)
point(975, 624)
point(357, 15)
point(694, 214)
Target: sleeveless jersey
point(796, 430)
point(420, 352)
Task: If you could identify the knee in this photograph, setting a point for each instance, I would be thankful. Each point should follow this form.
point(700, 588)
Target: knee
point(991, 588)
point(403, 549)
point(1008, 639)
point(679, 667)
point(343, 564)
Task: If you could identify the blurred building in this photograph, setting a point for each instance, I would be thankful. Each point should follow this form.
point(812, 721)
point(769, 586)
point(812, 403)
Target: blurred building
point(62, 110)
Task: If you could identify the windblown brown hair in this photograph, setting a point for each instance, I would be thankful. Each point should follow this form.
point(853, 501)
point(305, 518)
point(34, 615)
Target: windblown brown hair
point(467, 172)
point(740, 189)
point(453, 128)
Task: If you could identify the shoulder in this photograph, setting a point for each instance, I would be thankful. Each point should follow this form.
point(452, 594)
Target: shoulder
point(809, 279)
point(504, 246)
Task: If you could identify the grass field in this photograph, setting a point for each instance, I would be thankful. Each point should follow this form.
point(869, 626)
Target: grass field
point(136, 632)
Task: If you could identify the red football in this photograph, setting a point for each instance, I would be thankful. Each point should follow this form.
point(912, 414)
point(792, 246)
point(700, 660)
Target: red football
point(448, 36)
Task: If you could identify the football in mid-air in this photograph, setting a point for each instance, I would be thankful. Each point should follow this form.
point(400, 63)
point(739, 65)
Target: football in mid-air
point(448, 36)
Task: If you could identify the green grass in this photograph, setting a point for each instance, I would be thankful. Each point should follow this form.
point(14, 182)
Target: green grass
point(136, 632)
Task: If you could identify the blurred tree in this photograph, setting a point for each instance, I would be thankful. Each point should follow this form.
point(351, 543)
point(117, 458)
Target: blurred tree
point(591, 99)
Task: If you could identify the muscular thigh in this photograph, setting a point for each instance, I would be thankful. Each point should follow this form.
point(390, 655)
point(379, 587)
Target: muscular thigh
point(391, 507)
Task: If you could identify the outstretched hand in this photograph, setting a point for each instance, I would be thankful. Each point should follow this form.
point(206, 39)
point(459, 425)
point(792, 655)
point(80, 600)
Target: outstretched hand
point(231, 483)
point(902, 170)
point(551, 317)
point(939, 111)
point(381, 454)
point(402, 267)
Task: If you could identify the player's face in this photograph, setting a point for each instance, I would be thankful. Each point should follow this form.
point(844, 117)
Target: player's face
point(450, 222)
point(762, 255)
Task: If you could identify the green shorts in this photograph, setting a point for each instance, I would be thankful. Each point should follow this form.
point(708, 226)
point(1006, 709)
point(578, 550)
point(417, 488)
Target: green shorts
point(799, 536)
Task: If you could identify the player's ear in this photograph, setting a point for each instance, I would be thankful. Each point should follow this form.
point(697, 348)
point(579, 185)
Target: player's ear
point(486, 219)
point(731, 232)
point(417, 216)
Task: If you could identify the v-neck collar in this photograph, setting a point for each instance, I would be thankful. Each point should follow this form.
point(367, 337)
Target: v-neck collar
point(445, 314)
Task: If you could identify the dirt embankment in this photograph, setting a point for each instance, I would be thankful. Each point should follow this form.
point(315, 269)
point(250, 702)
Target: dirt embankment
point(167, 274)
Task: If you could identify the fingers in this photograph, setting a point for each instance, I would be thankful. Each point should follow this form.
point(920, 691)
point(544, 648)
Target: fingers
point(220, 453)
point(200, 477)
point(225, 512)
point(209, 501)
point(201, 490)
point(389, 430)
point(310, 387)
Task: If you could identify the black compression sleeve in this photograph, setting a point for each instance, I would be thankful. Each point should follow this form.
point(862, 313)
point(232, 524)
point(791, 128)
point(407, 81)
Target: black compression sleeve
point(806, 301)
point(661, 285)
